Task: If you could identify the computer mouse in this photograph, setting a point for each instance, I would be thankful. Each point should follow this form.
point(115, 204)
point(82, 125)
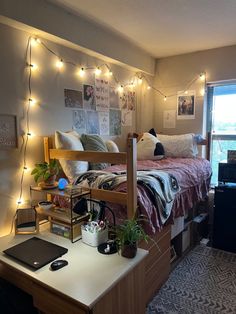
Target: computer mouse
point(58, 264)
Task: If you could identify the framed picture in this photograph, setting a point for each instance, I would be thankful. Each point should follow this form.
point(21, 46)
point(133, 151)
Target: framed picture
point(186, 105)
point(8, 131)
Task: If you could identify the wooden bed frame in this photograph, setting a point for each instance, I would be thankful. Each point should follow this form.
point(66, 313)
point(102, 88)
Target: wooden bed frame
point(158, 262)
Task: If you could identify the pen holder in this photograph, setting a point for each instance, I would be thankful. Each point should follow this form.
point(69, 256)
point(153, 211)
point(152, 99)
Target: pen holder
point(94, 238)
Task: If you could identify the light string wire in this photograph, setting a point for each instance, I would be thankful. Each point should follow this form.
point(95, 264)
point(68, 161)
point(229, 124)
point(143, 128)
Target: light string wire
point(24, 144)
point(138, 75)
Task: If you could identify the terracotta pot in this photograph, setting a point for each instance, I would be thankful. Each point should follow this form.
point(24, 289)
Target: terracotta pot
point(51, 180)
point(129, 250)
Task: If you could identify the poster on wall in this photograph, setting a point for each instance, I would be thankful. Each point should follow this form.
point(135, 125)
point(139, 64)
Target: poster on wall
point(102, 94)
point(114, 98)
point(103, 122)
point(126, 118)
point(169, 120)
point(115, 122)
point(79, 122)
point(186, 105)
point(92, 122)
point(89, 97)
point(8, 131)
point(73, 98)
point(128, 100)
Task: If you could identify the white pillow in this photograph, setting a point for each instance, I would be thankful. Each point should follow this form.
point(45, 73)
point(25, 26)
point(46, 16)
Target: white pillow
point(71, 141)
point(179, 145)
point(149, 147)
point(111, 146)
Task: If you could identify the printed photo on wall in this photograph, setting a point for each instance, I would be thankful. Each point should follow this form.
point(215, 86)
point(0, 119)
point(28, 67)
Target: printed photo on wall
point(73, 98)
point(102, 94)
point(127, 100)
point(114, 97)
point(79, 122)
point(126, 118)
point(103, 122)
point(8, 131)
point(89, 97)
point(115, 122)
point(92, 122)
point(186, 105)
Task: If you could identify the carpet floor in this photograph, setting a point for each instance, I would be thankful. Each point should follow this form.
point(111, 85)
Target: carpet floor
point(204, 282)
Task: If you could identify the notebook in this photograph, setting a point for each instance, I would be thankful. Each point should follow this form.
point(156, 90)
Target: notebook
point(36, 252)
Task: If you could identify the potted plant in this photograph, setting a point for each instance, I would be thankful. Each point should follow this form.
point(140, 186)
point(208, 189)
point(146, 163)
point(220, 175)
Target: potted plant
point(127, 236)
point(46, 172)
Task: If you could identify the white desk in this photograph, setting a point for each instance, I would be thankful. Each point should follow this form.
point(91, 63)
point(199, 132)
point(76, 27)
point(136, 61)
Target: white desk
point(91, 283)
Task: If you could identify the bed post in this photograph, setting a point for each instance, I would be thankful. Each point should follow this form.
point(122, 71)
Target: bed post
point(46, 149)
point(131, 177)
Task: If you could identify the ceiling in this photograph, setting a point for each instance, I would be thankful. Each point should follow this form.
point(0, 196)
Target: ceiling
point(163, 27)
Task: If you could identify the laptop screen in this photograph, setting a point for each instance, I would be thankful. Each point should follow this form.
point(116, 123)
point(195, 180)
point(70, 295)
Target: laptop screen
point(36, 252)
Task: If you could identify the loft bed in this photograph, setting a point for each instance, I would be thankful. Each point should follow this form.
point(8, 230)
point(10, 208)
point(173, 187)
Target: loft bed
point(158, 262)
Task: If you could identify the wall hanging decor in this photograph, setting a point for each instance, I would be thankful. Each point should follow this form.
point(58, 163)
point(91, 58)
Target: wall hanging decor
point(8, 131)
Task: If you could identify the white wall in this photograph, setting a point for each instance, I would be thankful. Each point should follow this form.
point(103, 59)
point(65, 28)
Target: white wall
point(48, 87)
point(173, 73)
point(45, 16)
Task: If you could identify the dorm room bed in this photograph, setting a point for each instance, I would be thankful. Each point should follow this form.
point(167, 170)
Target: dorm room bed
point(193, 176)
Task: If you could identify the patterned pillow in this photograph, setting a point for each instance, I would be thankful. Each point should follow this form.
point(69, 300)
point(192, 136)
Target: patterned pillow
point(179, 145)
point(111, 146)
point(94, 143)
point(71, 141)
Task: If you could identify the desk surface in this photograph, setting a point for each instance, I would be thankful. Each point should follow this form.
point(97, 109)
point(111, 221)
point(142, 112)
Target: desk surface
point(89, 274)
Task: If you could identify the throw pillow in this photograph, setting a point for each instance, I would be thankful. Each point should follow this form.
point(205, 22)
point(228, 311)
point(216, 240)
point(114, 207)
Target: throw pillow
point(149, 147)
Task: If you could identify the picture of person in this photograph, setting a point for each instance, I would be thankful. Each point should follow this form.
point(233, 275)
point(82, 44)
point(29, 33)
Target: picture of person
point(89, 97)
point(186, 106)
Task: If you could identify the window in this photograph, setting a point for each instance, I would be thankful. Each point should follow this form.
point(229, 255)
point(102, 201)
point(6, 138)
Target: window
point(221, 124)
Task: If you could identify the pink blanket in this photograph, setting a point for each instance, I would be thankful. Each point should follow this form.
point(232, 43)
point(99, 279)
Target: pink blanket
point(193, 175)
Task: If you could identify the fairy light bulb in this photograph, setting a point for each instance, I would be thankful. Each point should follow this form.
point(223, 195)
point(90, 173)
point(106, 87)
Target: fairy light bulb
point(186, 92)
point(98, 71)
point(35, 41)
point(20, 201)
point(30, 134)
point(165, 98)
point(32, 102)
point(202, 76)
point(33, 66)
point(26, 169)
point(59, 64)
point(121, 88)
point(110, 73)
point(81, 72)
point(140, 80)
point(149, 87)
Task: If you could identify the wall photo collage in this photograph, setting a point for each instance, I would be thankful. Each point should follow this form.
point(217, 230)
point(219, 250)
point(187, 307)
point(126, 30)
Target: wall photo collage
point(98, 108)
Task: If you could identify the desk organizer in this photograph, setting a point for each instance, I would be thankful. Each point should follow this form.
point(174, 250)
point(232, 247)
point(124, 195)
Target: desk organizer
point(94, 238)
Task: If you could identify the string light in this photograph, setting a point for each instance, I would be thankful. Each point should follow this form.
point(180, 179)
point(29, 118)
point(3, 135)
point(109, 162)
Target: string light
point(32, 102)
point(98, 71)
point(33, 66)
point(20, 201)
point(165, 98)
point(186, 92)
point(59, 64)
point(149, 87)
point(121, 88)
point(81, 72)
point(26, 169)
point(35, 41)
point(140, 80)
point(202, 76)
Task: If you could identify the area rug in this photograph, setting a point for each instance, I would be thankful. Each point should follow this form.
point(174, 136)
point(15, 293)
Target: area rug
point(204, 282)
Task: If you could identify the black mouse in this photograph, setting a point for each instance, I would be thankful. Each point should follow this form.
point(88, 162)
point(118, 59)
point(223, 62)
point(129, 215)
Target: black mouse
point(58, 264)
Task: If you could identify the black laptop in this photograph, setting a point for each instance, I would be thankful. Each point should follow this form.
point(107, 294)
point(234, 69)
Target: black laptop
point(36, 252)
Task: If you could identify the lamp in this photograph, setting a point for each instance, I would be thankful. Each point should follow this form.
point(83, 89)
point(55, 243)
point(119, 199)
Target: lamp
point(81, 207)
